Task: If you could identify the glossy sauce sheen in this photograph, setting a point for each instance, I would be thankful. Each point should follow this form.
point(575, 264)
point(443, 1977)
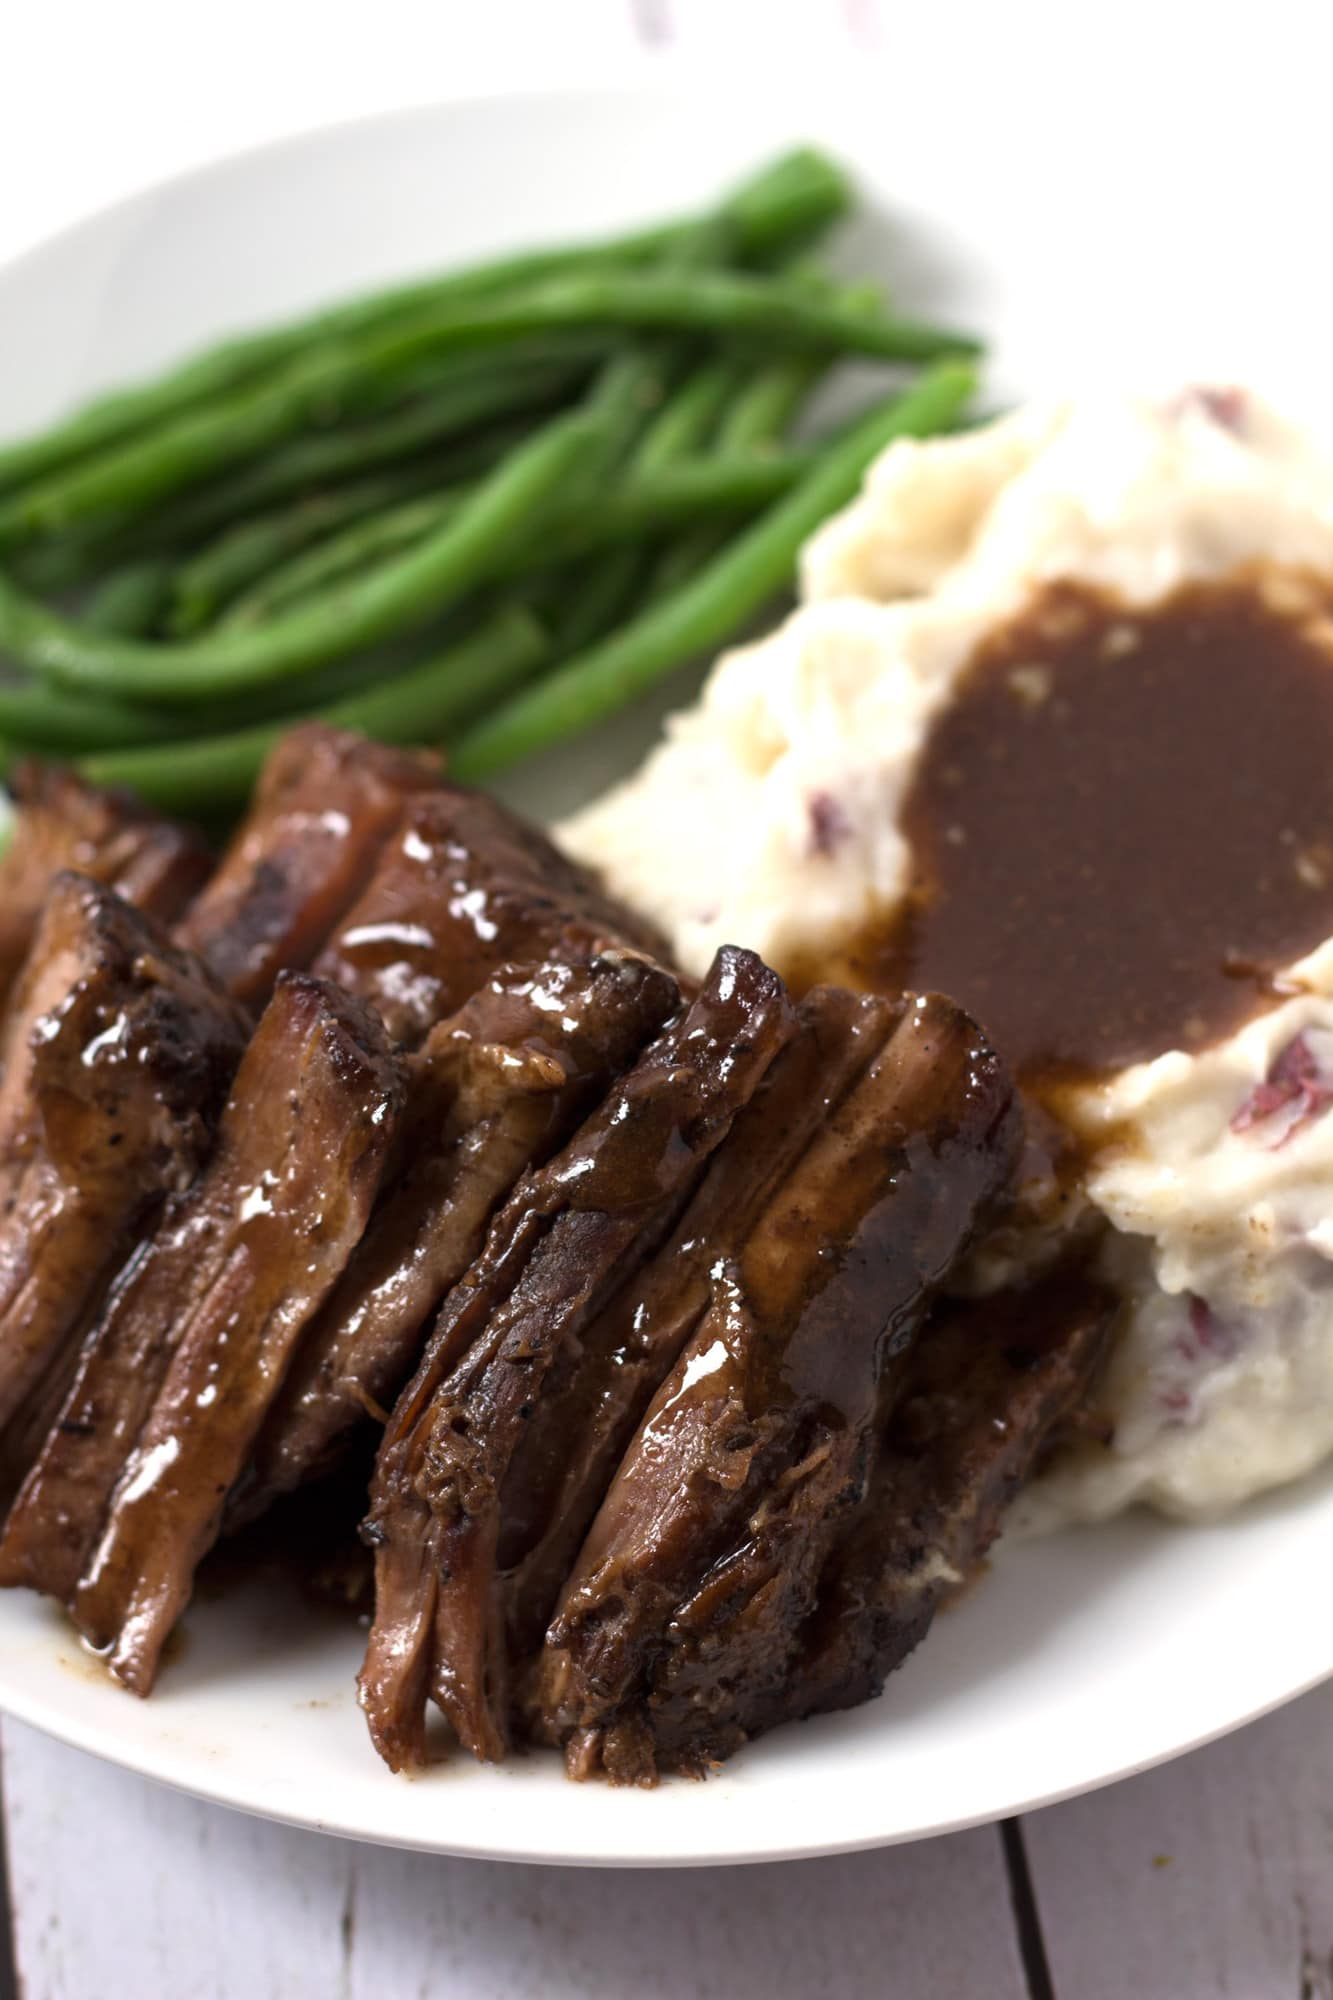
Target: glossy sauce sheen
point(1122, 825)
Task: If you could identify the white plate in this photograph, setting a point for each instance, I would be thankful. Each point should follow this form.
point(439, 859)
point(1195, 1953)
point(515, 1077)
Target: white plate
point(1087, 241)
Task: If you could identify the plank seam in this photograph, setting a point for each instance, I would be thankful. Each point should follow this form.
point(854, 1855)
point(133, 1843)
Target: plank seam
point(1027, 1920)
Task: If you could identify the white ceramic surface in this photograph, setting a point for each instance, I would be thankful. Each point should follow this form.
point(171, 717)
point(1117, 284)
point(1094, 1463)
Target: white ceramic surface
point(1076, 233)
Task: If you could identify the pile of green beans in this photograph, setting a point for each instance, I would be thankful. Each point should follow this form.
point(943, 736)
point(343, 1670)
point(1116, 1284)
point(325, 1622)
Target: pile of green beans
point(483, 509)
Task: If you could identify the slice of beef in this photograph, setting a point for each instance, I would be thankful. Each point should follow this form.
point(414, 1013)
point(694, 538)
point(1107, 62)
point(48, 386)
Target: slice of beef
point(326, 802)
point(572, 1233)
point(464, 888)
point(495, 1090)
point(595, 1399)
point(759, 1443)
point(987, 1388)
point(185, 1363)
point(987, 1392)
point(119, 1051)
point(62, 823)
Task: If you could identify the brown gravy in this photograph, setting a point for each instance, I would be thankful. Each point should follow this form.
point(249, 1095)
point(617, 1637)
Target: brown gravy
point(1122, 825)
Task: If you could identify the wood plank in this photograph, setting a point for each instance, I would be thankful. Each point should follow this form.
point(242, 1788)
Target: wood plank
point(124, 1889)
point(1207, 1878)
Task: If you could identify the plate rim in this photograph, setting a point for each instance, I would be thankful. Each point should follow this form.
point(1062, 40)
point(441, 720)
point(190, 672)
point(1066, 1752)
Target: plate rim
point(86, 1737)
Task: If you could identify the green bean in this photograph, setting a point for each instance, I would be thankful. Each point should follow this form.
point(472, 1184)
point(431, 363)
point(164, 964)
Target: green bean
point(316, 466)
point(591, 598)
point(717, 303)
point(217, 508)
point(598, 594)
point(101, 495)
point(794, 195)
point(726, 304)
point(717, 602)
point(754, 420)
point(37, 717)
point(765, 410)
point(420, 705)
point(759, 418)
point(579, 525)
point(393, 600)
point(454, 410)
point(689, 417)
point(681, 559)
point(366, 541)
point(57, 718)
point(644, 506)
point(251, 552)
point(631, 388)
point(130, 601)
point(634, 387)
point(461, 395)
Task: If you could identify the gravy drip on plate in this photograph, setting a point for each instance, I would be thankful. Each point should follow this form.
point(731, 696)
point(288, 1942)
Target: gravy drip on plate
point(1122, 824)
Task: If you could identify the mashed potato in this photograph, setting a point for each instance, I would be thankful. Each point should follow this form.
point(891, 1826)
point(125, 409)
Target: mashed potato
point(769, 817)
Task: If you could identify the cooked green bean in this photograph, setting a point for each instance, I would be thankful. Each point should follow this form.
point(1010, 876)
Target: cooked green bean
point(716, 604)
point(757, 419)
point(753, 419)
point(37, 717)
point(718, 303)
point(365, 542)
point(454, 410)
point(631, 384)
point(760, 416)
point(391, 601)
point(642, 506)
point(795, 195)
point(591, 598)
point(441, 439)
point(577, 526)
point(690, 416)
point(255, 550)
point(421, 705)
point(130, 601)
point(598, 594)
point(270, 482)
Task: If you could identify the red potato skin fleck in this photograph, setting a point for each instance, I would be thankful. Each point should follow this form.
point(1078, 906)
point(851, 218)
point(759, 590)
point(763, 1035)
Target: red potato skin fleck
point(1296, 1086)
point(830, 827)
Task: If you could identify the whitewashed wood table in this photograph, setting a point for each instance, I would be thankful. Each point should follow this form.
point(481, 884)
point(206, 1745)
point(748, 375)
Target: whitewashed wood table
point(1212, 1877)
